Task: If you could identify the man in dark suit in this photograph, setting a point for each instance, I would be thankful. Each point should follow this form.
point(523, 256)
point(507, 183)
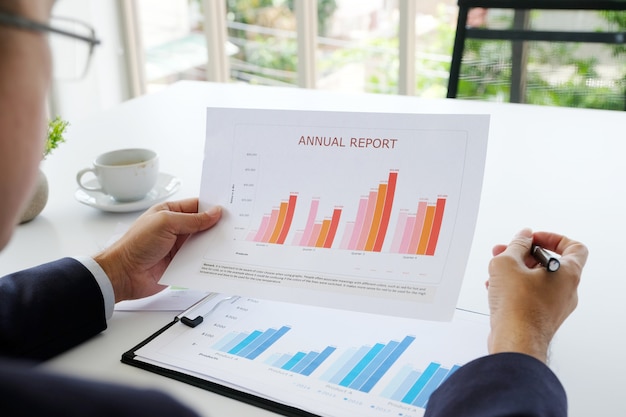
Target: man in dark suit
point(527, 306)
point(34, 304)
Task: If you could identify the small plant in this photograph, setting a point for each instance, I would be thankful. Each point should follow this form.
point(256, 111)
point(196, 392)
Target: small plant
point(56, 128)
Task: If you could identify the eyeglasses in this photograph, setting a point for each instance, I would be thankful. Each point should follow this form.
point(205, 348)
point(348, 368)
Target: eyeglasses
point(72, 51)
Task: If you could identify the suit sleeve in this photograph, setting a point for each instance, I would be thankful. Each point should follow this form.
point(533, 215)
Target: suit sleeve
point(504, 384)
point(48, 309)
point(27, 391)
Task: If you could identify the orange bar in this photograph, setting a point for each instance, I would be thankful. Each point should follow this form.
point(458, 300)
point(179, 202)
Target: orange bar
point(434, 234)
point(378, 213)
point(384, 221)
point(428, 225)
point(314, 234)
point(332, 231)
point(323, 233)
point(291, 208)
point(282, 212)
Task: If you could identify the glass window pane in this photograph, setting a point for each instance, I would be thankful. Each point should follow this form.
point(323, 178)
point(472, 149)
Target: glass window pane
point(264, 32)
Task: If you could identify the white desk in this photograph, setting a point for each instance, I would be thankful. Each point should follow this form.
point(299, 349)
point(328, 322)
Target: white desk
point(547, 168)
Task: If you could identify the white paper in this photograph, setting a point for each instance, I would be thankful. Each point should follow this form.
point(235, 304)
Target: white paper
point(371, 212)
point(170, 299)
point(325, 361)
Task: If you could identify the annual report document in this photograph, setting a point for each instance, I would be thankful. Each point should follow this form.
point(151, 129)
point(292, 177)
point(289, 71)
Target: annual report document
point(370, 212)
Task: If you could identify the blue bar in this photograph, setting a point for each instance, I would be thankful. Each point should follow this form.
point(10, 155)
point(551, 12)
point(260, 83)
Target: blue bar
point(318, 360)
point(395, 383)
point(245, 342)
point(281, 361)
point(293, 361)
point(240, 337)
point(453, 370)
point(338, 364)
point(420, 383)
point(434, 382)
point(361, 365)
point(273, 359)
point(252, 344)
point(305, 362)
point(349, 365)
point(221, 344)
point(269, 342)
point(387, 363)
point(406, 386)
point(374, 364)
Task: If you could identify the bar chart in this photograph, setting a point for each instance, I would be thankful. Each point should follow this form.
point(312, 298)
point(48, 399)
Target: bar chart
point(414, 387)
point(329, 361)
point(303, 363)
point(416, 232)
point(361, 368)
point(250, 345)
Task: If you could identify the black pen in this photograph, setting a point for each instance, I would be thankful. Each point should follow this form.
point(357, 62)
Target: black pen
point(545, 258)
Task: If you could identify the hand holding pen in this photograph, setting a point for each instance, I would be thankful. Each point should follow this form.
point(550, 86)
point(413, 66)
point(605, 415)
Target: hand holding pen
point(527, 303)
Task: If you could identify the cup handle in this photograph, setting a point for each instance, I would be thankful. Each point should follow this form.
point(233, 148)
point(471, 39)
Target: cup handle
point(79, 176)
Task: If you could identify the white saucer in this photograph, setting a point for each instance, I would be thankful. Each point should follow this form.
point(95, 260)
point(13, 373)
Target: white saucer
point(165, 187)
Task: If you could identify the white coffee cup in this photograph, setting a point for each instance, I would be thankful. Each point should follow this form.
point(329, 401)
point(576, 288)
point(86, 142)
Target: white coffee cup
point(124, 174)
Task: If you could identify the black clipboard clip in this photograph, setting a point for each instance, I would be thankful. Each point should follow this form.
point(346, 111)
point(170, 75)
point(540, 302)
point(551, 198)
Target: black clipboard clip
point(199, 319)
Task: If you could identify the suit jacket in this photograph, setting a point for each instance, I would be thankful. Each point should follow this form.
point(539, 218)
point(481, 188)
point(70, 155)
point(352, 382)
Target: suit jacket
point(504, 384)
point(47, 310)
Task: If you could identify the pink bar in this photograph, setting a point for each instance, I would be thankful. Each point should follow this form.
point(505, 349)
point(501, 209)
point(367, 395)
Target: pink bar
point(270, 227)
point(250, 236)
point(358, 223)
point(308, 229)
point(316, 232)
point(367, 223)
point(406, 236)
point(264, 222)
point(347, 234)
point(419, 224)
point(297, 238)
point(397, 234)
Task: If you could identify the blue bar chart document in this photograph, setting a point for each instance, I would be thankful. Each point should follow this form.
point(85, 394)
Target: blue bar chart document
point(362, 211)
point(324, 361)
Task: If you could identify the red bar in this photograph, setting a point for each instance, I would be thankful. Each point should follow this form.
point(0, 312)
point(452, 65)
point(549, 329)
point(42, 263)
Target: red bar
point(288, 218)
point(434, 234)
point(384, 222)
point(334, 223)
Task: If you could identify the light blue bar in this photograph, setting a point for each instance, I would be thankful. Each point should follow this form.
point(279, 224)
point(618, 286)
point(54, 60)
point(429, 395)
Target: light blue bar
point(238, 339)
point(373, 365)
point(305, 362)
point(282, 361)
point(257, 341)
point(268, 342)
point(420, 383)
point(358, 355)
point(225, 340)
point(245, 342)
point(338, 364)
point(434, 382)
point(453, 370)
point(406, 386)
point(387, 363)
point(293, 361)
point(273, 359)
point(395, 383)
point(361, 365)
point(318, 360)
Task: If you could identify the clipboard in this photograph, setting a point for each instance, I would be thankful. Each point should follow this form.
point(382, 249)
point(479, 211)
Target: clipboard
point(130, 358)
point(175, 334)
